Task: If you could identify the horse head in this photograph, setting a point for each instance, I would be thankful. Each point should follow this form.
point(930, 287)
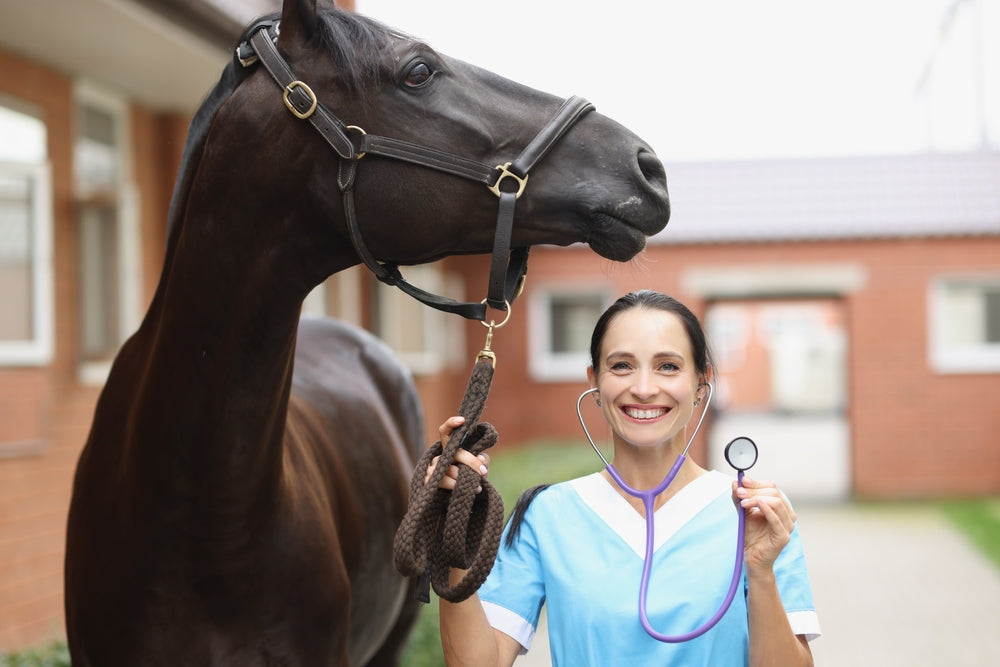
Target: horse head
point(599, 184)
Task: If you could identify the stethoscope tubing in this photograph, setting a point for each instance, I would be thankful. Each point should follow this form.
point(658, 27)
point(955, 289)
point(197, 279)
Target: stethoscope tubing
point(648, 498)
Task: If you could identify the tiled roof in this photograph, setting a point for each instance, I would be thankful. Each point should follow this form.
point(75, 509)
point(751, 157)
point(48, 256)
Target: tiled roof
point(934, 194)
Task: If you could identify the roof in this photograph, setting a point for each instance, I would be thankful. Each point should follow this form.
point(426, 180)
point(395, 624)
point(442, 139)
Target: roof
point(165, 54)
point(921, 195)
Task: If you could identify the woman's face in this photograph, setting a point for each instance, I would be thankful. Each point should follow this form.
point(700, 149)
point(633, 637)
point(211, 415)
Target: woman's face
point(646, 377)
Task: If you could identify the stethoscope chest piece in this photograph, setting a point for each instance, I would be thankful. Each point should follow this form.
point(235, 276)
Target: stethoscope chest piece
point(741, 453)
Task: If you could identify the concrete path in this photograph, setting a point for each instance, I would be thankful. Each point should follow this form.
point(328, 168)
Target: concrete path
point(894, 586)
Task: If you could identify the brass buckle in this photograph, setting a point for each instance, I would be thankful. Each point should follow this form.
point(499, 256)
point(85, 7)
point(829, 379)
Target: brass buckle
point(289, 89)
point(504, 173)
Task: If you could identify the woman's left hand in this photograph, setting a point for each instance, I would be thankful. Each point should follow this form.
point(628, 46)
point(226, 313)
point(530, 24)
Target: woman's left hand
point(769, 521)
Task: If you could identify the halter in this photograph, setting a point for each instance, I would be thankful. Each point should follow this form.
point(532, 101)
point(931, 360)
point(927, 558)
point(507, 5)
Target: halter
point(508, 267)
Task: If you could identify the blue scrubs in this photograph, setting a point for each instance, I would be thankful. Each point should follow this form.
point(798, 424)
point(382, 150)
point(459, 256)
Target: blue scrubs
point(580, 550)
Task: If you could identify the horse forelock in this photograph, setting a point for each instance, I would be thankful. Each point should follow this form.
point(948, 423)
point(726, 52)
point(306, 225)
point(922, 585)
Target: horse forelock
point(360, 47)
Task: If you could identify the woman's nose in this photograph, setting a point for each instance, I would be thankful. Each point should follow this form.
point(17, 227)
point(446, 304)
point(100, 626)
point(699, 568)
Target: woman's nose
point(643, 387)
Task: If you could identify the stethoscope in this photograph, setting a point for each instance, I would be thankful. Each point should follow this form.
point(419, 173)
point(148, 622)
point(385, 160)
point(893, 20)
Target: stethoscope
point(741, 453)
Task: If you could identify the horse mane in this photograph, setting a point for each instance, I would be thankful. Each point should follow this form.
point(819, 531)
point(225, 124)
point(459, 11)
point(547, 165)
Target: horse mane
point(360, 48)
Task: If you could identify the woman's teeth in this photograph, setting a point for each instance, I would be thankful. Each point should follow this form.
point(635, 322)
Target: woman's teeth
point(636, 413)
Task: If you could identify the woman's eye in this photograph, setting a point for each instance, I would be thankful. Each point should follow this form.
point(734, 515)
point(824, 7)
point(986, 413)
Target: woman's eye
point(418, 74)
point(619, 366)
point(668, 367)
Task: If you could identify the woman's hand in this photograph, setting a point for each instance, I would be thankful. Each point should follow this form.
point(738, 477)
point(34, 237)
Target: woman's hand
point(769, 523)
point(480, 464)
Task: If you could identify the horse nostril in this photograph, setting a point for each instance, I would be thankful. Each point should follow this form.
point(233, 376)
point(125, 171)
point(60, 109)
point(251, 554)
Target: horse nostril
point(652, 168)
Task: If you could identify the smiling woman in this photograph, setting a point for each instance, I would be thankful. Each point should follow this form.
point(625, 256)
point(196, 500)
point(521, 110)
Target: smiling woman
point(578, 547)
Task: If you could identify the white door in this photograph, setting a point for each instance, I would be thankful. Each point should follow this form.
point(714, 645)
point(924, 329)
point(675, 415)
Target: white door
point(782, 382)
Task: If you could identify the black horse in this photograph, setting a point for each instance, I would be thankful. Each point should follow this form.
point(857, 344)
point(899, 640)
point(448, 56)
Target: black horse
point(236, 501)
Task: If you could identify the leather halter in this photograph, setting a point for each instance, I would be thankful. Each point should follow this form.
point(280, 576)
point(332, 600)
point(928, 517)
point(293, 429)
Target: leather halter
point(508, 267)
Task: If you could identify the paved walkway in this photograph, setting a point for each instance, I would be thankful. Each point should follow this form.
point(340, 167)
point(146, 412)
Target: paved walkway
point(894, 587)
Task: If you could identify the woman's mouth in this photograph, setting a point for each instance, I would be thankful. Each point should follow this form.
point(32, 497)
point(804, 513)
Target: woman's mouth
point(644, 413)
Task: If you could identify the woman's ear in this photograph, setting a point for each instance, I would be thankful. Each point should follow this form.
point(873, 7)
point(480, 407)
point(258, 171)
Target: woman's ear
point(592, 378)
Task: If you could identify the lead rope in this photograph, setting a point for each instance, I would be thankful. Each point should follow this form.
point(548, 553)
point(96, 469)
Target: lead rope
point(460, 528)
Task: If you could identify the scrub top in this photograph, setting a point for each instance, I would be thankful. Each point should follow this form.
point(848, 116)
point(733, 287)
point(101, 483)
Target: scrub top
point(579, 551)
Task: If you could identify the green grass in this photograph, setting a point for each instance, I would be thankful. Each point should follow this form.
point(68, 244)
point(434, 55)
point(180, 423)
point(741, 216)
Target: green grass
point(979, 519)
point(53, 654)
point(539, 462)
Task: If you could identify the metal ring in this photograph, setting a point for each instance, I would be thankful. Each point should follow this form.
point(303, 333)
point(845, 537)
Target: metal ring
point(355, 127)
point(504, 173)
point(289, 89)
point(493, 324)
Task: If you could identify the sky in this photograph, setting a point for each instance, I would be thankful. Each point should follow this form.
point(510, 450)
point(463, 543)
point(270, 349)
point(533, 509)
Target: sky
point(743, 79)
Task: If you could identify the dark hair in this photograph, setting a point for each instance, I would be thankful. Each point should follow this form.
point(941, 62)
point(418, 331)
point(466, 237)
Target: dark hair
point(654, 301)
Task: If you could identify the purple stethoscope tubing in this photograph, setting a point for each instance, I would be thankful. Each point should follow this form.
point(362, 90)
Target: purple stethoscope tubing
point(648, 498)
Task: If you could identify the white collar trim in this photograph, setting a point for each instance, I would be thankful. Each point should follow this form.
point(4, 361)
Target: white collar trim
point(602, 497)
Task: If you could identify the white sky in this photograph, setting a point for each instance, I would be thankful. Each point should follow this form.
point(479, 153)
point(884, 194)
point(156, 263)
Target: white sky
point(736, 79)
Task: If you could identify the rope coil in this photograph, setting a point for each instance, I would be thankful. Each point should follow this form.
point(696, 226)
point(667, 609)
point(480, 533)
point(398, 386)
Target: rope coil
point(460, 528)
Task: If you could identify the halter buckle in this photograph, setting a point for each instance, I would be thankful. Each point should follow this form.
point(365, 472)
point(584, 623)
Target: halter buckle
point(313, 102)
point(504, 173)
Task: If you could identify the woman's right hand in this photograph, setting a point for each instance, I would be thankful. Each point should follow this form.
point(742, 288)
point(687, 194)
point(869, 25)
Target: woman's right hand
point(480, 464)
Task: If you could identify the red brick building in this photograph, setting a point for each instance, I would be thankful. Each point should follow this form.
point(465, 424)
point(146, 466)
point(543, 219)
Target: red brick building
point(878, 278)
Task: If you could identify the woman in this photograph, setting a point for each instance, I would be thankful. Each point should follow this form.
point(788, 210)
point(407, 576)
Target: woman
point(577, 547)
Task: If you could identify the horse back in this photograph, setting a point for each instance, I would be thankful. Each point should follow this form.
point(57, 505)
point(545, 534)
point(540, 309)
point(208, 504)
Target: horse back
point(355, 428)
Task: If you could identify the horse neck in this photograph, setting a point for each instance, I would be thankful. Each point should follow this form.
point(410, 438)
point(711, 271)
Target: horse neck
point(207, 377)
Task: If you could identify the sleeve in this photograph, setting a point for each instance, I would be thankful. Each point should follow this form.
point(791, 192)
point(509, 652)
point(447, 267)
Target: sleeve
point(514, 592)
point(792, 577)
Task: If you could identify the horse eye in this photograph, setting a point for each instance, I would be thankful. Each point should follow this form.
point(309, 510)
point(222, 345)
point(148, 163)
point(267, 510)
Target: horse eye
point(419, 74)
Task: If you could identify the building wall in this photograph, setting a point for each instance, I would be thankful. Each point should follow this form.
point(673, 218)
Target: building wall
point(914, 433)
point(36, 478)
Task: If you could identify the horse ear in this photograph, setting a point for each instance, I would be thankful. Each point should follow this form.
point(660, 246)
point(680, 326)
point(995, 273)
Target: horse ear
point(298, 18)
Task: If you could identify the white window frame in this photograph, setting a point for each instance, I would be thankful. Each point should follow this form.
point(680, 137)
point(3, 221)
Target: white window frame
point(38, 350)
point(443, 334)
point(984, 358)
point(95, 372)
point(545, 365)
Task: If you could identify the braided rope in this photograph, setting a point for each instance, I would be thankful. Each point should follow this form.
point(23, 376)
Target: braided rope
point(460, 528)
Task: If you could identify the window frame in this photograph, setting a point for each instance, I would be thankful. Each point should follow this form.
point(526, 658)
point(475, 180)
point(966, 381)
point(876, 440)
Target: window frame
point(129, 258)
point(37, 350)
point(443, 335)
point(946, 360)
point(545, 365)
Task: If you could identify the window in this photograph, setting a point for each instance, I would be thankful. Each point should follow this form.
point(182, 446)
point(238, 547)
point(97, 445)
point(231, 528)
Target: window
point(965, 325)
point(561, 323)
point(109, 280)
point(427, 340)
point(339, 296)
point(25, 239)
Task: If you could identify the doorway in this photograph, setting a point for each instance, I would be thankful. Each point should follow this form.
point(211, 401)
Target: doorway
point(782, 381)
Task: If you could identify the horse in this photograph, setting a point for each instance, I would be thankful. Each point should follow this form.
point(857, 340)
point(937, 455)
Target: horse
point(236, 499)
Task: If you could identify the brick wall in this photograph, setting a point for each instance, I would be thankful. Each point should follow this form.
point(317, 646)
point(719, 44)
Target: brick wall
point(34, 487)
